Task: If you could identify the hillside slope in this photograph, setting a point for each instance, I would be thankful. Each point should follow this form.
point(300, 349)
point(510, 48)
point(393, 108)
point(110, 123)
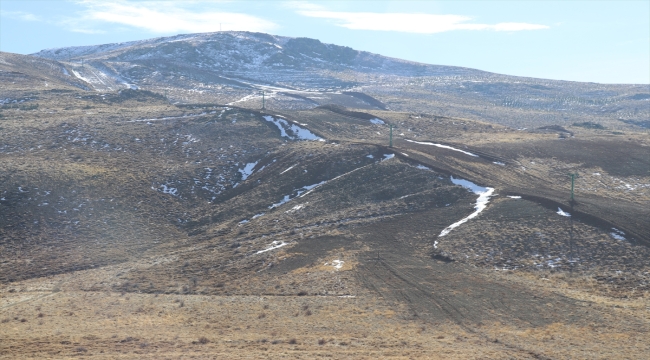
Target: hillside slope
point(228, 67)
point(158, 211)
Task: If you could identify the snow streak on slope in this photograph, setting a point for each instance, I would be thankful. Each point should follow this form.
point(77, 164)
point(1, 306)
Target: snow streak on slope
point(247, 170)
point(443, 146)
point(292, 131)
point(298, 192)
point(274, 245)
point(483, 193)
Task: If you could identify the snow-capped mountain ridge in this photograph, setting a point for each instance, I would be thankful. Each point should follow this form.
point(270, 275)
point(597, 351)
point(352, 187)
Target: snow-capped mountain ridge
point(244, 51)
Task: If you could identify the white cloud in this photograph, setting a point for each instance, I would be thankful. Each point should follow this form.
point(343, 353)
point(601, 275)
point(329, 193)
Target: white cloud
point(409, 22)
point(20, 15)
point(164, 17)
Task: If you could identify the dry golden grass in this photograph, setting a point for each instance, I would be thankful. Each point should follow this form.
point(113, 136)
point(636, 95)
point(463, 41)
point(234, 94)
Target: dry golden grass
point(37, 323)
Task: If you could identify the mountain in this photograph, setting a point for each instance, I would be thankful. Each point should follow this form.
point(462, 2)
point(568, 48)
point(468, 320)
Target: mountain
point(238, 53)
point(239, 195)
point(227, 67)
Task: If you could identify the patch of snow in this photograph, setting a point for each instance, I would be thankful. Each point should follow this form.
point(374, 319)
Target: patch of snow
point(483, 193)
point(514, 197)
point(388, 157)
point(310, 188)
point(617, 234)
point(272, 246)
point(290, 167)
point(469, 185)
point(286, 199)
point(295, 208)
point(553, 262)
point(76, 74)
point(299, 193)
point(377, 121)
point(442, 146)
point(422, 167)
point(169, 190)
point(499, 163)
point(247, 170)
point(370, 156)
point(562, 213)
point(298, 133)
point(245, 98)
point(338, 264)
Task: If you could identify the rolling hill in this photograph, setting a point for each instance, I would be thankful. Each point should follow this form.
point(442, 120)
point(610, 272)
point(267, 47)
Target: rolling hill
point(150, 206)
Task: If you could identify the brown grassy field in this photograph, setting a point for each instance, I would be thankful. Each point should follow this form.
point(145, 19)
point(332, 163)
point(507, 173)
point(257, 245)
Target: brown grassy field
point(132, 227)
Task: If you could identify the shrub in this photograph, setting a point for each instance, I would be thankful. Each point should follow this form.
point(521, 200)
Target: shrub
point(589, 125)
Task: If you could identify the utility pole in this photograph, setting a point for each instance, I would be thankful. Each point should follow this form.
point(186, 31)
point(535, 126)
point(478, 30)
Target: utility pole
point(391, 135)
point(263, 99)
point(571, 240)
point(573, 178)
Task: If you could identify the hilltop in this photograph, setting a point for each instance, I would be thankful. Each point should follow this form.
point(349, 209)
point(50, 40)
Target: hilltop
point(303, 73)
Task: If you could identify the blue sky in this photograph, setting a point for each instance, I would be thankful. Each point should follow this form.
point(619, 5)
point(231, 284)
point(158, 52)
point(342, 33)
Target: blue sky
point(595, 41)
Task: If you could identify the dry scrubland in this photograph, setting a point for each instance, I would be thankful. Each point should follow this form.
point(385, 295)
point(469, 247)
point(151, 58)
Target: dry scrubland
point(134, 227)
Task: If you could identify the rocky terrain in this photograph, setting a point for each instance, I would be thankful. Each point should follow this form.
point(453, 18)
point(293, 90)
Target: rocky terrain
point(150, 207)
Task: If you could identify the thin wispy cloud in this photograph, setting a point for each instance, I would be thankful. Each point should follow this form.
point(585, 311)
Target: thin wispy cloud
point(19, 15)
point(406, 22)
point(163, 17)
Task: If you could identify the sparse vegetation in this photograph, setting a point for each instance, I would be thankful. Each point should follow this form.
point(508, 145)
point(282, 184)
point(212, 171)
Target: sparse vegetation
point(202, 230)
point(589, 125)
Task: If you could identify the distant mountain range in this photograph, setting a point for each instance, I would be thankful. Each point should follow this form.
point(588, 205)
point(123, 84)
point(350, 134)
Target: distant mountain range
point(244, 53)
point(228, 67)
